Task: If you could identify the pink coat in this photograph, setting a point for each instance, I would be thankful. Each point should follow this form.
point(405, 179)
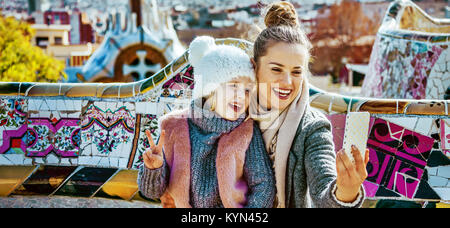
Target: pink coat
point(230, 160)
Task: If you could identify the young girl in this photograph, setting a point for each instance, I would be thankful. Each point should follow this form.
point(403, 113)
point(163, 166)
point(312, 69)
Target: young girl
point(211, 155)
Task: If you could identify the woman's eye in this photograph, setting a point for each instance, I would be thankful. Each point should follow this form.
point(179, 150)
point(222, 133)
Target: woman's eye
point(276, 69)
point(297, 73)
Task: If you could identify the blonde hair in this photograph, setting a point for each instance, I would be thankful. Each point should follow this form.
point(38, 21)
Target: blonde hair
point(212, 97)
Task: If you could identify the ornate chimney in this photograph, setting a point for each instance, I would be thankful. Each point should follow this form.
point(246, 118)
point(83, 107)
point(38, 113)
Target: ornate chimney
point(135, 6)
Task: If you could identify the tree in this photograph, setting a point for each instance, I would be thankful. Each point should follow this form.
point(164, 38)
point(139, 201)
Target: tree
point(20, 61)
point(339, 34)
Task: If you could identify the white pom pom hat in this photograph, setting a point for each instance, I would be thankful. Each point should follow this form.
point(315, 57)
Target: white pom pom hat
point(216, 64)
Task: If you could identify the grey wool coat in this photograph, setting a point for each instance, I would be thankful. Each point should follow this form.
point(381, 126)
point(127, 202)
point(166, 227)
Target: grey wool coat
point(311, 169)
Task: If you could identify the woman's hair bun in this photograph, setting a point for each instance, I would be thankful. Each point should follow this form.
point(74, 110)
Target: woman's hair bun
point(281, 13)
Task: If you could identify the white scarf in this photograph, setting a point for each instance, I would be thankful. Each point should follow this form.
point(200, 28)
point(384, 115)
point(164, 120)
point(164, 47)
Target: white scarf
point(279, 131)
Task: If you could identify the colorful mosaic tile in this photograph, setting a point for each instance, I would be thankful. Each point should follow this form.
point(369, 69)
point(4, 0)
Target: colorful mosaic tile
point(12, 113)
point(167, 105)
point(179, 85)
point(406, 68)
point(13, 126)
point(398, 157)
point(445, 134)
point(148, 122)
point(61, 136)
point(45, 180)
point(107, 132)
point(439, 180)
point(76, 184)
point(122, 186)
point(15, 176)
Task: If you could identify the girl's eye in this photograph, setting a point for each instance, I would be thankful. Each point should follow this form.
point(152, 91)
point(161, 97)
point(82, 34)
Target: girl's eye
point(297, 73)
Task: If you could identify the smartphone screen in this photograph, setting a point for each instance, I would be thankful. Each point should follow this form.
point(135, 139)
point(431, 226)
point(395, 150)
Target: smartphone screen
point(356, 132)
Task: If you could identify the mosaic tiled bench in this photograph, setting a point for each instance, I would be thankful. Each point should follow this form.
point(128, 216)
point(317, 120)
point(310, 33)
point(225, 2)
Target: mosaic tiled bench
point(411, 55)
point(87, 140)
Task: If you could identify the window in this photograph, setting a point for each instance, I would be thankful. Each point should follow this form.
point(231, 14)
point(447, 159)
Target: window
point(42, 42)
point(63, 19)
point(58, 40)
point(57, 19)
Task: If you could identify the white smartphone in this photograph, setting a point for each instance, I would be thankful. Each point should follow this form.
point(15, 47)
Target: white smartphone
point(356, 133)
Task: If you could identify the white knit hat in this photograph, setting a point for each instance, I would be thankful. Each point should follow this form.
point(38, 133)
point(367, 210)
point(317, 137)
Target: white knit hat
point(216, 64)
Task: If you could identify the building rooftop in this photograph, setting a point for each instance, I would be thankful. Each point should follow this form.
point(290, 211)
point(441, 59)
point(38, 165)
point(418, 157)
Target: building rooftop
point(51, 27)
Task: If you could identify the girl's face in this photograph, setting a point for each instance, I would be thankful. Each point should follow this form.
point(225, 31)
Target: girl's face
point(233, 98)
point(280, 74)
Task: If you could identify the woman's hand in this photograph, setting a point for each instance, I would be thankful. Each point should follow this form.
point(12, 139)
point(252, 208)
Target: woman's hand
point(153, 156)
point(350, 176)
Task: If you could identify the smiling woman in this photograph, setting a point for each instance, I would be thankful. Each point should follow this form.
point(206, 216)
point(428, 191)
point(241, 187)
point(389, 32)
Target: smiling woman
point(280, 74)
point(303, 157)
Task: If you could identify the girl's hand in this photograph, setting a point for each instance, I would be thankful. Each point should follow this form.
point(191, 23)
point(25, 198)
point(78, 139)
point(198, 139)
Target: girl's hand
point(153, 156)
point(350, 176)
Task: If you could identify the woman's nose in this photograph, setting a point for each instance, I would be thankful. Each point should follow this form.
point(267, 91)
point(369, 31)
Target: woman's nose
point(285, 79)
